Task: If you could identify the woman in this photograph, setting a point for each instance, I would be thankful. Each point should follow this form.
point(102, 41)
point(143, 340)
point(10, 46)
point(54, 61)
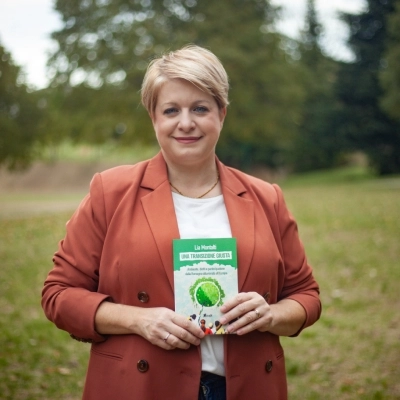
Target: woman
point(112, 281)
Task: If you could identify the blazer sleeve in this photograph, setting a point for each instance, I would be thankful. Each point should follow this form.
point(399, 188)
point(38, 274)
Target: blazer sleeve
point(69, 297)
point(299, 283)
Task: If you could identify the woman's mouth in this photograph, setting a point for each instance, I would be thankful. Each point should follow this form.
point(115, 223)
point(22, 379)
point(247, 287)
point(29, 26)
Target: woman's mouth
point(187, 140)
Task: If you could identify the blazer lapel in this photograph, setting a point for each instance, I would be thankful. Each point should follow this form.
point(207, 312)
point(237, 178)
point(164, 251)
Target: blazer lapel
point(241, 217)
point(160, 213)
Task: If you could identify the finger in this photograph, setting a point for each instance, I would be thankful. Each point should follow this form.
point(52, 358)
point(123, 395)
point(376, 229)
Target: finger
point(171, 342)
point(180, 333)
point(187, 328)
point(246, 319)
point(167, 336)
point(177, 343)
point(239, 311)
point(167, 321)
point(247, 309)
point(184, 336)
point(252, 298)
point(252, 326)
point(235, 301)
point(252, 321)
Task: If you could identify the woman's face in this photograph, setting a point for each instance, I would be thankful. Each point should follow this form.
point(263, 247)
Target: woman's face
point(187, 123)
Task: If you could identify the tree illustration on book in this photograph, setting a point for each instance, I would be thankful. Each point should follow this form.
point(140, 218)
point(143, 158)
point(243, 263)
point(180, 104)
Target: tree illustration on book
point(207, 292)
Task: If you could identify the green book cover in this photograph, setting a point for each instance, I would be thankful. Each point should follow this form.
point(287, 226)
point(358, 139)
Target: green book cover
point(205, 276)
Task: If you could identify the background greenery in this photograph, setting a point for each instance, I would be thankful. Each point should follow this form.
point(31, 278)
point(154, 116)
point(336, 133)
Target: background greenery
point(293, 109)
point(350, 224)
point(292, 106)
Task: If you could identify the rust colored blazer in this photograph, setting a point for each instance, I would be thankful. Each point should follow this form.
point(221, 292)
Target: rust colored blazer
point(118, 247)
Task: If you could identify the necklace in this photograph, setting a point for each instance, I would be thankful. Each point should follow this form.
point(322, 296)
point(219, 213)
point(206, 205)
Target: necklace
point(198, 197)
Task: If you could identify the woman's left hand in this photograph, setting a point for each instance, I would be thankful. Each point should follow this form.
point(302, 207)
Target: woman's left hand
point(249, 311)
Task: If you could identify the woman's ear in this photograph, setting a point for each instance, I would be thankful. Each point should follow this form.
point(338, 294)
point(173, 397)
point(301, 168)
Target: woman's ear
point(222, 113)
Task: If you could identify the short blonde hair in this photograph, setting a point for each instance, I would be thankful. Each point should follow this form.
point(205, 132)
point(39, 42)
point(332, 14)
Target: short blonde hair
point(192, 63)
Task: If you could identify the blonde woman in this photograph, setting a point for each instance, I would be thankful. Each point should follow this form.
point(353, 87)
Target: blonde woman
point(112, 281)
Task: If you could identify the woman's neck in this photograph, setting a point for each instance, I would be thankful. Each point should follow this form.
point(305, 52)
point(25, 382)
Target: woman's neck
point(196, 182)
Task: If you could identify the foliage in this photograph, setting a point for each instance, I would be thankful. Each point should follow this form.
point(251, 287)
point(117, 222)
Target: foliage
point(316, 146)
point(111, 41)
point(292, 107)
point(350, 228)
point(106, 45)
point(266, 85)
point(390, 72)
point(20, 115)
point(362, 122)
point(108, 115)
point(311, 36)
point(199, 295)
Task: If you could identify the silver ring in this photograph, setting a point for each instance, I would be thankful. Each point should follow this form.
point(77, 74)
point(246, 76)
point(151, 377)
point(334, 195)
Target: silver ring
point(257, 313)
point(166, 337)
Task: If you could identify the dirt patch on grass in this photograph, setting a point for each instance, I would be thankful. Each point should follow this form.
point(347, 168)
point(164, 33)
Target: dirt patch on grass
point(45, 188)
point(59, 176)
point(55, 187)
point(76, 176)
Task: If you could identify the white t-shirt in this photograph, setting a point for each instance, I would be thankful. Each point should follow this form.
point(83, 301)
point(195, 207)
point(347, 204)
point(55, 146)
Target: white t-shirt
point(205, 218)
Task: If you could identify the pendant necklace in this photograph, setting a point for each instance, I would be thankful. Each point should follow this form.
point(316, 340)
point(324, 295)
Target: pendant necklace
point(198, 197)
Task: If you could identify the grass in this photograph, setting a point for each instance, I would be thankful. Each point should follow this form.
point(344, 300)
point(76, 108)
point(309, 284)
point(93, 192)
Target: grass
point(36, 360)
point(351, 231)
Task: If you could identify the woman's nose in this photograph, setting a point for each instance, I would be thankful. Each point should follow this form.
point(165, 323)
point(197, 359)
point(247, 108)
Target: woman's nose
point(186, 122)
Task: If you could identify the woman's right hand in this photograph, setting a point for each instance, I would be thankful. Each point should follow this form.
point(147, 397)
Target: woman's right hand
point(160, 326)
point(167, 329)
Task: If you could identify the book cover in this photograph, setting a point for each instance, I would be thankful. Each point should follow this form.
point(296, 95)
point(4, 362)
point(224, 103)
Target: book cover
point(205, 276)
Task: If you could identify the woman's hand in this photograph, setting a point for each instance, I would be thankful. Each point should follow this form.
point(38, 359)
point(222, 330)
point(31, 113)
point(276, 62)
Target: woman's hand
point(250, 311)
point(167, 329)
point(160, 326)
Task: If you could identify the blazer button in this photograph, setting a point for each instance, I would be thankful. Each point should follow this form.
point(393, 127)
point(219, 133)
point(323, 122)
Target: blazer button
point(142, 366)
point(143, 297)
point(268, 366)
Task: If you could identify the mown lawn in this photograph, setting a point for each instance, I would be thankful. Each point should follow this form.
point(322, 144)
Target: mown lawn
point(352, 236)
point(351, 231)
point(37, 361)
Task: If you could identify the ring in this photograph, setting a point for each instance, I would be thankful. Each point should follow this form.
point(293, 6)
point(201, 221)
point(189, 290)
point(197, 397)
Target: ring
point(257, 313)
point(166, 337)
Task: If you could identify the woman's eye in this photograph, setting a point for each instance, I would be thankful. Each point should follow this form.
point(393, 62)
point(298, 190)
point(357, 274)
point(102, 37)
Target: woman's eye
point(169, 111)
point(201, 109)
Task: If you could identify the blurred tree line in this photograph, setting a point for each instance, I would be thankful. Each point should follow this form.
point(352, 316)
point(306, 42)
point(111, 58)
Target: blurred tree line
point(292, 105)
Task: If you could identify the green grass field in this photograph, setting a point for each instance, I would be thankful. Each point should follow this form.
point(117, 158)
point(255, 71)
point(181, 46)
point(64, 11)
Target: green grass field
point(350, 225)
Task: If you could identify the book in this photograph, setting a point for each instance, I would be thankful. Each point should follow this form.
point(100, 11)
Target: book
point(205, 276)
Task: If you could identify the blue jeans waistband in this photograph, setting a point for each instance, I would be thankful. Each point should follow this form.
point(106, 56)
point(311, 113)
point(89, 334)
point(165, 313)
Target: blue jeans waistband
point(212, 387)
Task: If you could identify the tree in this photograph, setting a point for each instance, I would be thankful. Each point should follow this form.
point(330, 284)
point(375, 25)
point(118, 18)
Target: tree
point(315, 146)
point(362, 122)
point(20, 116)
point(106, 44)
point(390, 71)
point(266, 92)
point(311, 34)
